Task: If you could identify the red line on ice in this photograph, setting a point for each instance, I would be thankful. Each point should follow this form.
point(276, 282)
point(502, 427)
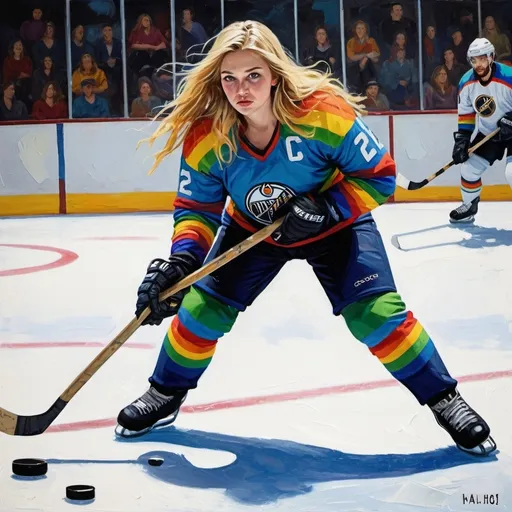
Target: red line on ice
point(119, 238)
point(66, 257)
point(280, 397)
point(67, 344)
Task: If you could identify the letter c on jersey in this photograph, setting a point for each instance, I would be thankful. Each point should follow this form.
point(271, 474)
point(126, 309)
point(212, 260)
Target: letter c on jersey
point(299, 155)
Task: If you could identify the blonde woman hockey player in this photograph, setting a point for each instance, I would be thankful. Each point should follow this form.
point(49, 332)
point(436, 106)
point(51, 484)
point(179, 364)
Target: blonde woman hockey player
point(268, 135)
point(485, 100)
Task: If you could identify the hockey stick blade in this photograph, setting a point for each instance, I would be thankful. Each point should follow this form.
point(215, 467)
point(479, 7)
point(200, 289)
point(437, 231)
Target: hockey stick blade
point(402, 181)
point(395, 242)
point(407, 184)
point(417, 185)
point(17, 425)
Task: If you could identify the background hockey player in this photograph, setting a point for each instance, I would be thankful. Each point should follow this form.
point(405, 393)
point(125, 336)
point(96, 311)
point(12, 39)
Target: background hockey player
point(485, 100)
point(264, 131)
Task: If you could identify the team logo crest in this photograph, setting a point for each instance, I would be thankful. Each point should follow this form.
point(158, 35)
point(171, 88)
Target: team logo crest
point(265, 199)
point(485, 105)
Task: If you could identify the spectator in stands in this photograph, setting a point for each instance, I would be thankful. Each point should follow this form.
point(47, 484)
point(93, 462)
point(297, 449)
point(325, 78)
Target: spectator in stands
point(431, 50)
point(322, 55)
point(440, 93)
point(46, 74)
point(89, 104)
point(89, 69)
point(161, 20)
point(51, 104)
point(375, 100)
point(143, 105)
point(397, 23)
point(31, 31)
point(18, 69)
point(101, 11)
point(109, 51)
point(49, 46)
point(400, 41)
point(399, 79)
point(192, 32)
point(454, 69)
point(467, 26)
point(163, 84)
point(500, 41)
point(147, 46)
point(363, 54)
point(11, 109)
point(459, 46)
point(79, 46)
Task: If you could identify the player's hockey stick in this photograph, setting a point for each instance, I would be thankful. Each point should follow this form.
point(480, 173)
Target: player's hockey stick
point(15, 425)
point(404, 182)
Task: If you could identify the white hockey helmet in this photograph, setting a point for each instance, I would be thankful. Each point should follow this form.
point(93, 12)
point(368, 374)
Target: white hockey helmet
point(479, 47)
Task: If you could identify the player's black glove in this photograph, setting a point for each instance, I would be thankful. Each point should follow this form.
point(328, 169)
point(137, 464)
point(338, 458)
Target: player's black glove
point(505, 123)
point(461, 148)
point(161, 275)
point(305, 216)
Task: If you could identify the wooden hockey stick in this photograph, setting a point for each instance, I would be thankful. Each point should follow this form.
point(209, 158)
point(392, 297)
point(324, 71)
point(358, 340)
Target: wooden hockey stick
point(404, 182)
point(18, 425)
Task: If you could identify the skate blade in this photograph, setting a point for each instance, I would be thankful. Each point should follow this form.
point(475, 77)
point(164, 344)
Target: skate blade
point(483, 449)
point(467, 220)
point(123, 432)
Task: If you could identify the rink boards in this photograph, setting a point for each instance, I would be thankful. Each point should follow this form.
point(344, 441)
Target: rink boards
point(95, 167)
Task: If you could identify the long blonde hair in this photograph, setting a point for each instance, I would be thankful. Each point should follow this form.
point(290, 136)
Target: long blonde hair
point(200, 94)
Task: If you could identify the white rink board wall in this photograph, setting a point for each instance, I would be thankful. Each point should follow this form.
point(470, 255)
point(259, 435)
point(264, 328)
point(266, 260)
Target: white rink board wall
point(380, 127)
point(29, 165)
point(109, 161)
point(102, 171)
point(424, 144)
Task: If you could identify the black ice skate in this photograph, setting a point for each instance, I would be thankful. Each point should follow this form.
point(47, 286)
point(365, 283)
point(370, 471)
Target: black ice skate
point(151, 410)
point(465, 212)
point(468, 429)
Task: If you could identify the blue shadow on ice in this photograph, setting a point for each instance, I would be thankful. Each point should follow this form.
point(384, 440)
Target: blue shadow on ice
point(267, 470)
point(480, 237)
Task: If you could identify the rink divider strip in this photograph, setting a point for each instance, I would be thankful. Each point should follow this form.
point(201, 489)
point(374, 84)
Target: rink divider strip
point(277, 398)
point(62, 168)
point(67, 344)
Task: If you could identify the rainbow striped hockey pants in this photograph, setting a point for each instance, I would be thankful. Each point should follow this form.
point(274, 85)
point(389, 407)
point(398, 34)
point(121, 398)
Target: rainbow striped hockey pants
point(353, 269)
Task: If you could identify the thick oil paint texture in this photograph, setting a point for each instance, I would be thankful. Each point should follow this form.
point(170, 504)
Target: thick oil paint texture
point(293, 413)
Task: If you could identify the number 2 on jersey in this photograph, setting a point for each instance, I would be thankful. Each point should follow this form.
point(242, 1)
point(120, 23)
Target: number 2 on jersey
point(185, 179)
point(364, 137)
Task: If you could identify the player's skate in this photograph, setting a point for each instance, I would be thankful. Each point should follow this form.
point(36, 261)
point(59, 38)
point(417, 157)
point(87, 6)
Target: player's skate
point(151, 410)
point(467, 428)
point(465, 212)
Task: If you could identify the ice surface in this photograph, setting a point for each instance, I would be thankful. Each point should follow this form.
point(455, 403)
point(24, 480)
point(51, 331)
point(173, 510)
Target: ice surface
point(328, 435)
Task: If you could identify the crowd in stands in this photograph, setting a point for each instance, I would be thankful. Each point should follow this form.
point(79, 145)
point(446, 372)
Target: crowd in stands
point(382, 55)
point(34, 74)
point(381, 49)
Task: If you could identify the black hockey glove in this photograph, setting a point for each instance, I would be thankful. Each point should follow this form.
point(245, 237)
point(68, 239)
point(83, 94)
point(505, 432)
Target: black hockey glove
point(161, 275)
point(505, 123)
point(461, 148)
point(305, 217)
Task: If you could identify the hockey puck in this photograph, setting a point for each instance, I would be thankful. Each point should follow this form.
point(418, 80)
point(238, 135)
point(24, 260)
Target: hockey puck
point(80, 492)
point(155, 461)
point(29, 467)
